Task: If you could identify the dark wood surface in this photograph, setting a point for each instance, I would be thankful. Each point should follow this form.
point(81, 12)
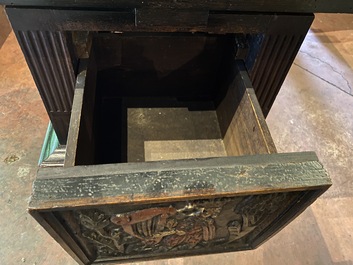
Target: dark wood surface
point(76, 116)
point(49, 60)
point(271, 55)
point(289, 6)
point(240, 117)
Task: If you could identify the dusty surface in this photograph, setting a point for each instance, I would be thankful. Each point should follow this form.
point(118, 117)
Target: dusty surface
point(312, 112)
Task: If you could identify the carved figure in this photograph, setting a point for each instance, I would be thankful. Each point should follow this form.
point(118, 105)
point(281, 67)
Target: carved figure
point(147, 224)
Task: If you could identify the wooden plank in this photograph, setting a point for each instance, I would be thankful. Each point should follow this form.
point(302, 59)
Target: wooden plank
point(173, 180)
point(290, 6)
point(222, 22)
point(71, 20)
point(81, 141)
point(76, 113)
point(139, 20)
point(242, 123)
point(159, 19)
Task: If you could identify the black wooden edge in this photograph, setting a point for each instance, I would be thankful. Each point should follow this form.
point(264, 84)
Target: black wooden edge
point(323, 6)
point(299, 206)
point(149, 20)
point(179, 182)
point(50, 223)
point(70, 20)
point(154, 256)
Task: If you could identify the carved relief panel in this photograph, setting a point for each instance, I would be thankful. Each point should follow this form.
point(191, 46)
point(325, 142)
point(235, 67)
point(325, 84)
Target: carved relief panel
point(206, 226)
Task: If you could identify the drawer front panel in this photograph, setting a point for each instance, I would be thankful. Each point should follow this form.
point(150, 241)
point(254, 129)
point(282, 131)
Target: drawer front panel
point(174, 208)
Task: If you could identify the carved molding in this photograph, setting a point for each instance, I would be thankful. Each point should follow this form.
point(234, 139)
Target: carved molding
point(47, 55)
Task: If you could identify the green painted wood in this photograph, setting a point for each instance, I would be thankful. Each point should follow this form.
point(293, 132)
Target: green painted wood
point(50, 143)
point(171, 180)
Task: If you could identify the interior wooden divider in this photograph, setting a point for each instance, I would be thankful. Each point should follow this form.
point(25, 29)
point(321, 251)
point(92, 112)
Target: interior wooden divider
point(241, 121)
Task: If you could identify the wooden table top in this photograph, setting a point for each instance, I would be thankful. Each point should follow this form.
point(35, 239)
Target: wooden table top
point(286, 6)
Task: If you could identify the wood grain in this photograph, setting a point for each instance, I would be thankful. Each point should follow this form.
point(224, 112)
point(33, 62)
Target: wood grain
point(173, 180)
point(242, 123)
point(75, 120)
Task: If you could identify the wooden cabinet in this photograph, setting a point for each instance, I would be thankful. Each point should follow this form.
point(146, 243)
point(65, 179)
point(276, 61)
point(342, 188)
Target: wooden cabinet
point(160, 113)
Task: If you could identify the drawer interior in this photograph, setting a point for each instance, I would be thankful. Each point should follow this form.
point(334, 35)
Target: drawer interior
point(162, 100)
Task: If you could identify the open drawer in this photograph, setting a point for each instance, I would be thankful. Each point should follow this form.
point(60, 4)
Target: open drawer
point(151, 172)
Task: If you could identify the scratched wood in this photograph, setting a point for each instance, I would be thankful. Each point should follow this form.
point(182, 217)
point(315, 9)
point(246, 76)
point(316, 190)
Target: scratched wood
point(242, 123)
point(168, 180)
point(75, 120)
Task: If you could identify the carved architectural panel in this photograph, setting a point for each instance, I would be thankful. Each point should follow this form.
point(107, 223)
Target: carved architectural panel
point(201, 225)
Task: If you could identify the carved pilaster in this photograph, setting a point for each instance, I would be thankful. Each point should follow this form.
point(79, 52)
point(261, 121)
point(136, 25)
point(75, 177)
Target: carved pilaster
point(49, 61)
point(273, 53)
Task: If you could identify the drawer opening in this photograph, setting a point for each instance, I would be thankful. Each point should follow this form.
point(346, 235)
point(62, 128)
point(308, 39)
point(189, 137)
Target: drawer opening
point(164, 102)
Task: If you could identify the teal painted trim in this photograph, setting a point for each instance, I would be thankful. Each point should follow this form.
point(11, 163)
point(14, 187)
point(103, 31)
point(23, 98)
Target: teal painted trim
point(50, 143)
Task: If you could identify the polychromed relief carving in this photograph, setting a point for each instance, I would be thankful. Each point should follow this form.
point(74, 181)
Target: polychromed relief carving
point(198, 224)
